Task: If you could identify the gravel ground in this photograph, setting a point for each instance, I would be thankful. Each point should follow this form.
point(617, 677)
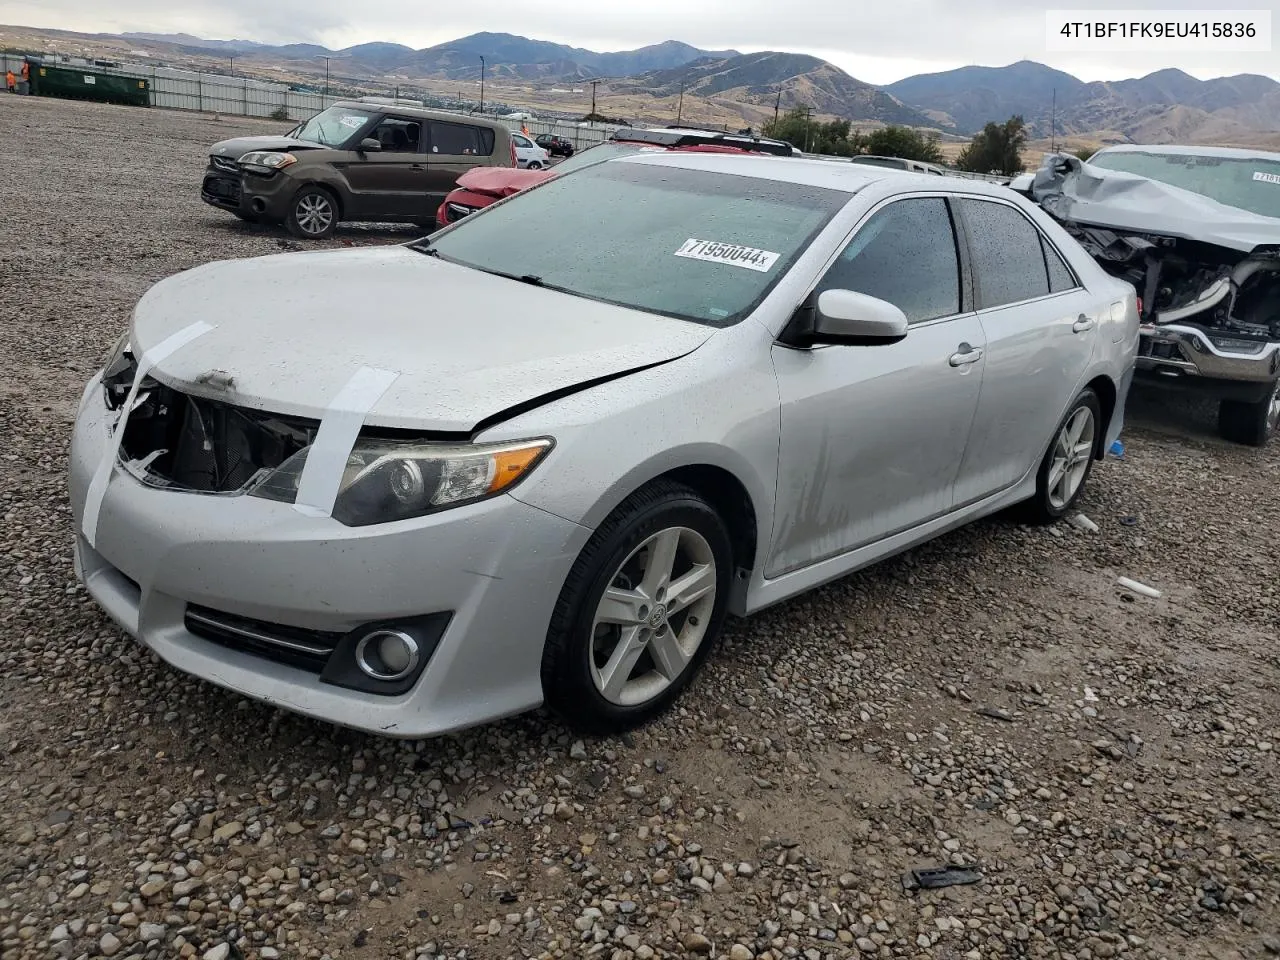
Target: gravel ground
point(993, 699)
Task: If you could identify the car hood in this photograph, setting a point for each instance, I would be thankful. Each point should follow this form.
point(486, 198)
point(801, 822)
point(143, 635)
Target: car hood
point(501, 181)
point(1079, 192)
point(290, 330)
point(237, 147)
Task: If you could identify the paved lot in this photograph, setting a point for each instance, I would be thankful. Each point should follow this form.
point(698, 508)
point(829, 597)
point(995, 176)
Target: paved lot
point(1109, 761)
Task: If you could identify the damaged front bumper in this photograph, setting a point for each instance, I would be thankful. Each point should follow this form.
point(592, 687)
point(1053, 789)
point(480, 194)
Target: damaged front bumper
point(1173, 353)
point(259, 598)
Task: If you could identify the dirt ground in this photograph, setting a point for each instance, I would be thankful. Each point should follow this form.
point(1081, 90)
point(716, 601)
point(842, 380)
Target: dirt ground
point(1106, 761)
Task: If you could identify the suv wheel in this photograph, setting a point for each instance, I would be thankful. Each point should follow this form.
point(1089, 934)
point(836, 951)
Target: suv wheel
point(1068, 461)
point(313, 214)
point(639, 611)
point(534, 165)
point(1251, 423)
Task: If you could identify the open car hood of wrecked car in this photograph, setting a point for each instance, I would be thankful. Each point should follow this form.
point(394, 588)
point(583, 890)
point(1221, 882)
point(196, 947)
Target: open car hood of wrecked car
point(1078, 192)
point(501, 181)
point(290, 330)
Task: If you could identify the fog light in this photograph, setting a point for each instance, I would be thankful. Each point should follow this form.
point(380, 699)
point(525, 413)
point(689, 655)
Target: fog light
point(387, 655)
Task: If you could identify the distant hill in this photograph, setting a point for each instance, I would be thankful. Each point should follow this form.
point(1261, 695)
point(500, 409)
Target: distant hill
point(1167, 104)
point(802, 79)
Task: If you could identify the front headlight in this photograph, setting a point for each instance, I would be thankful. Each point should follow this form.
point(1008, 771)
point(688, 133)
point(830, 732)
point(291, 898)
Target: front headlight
point(269, 159)
point(387, 480)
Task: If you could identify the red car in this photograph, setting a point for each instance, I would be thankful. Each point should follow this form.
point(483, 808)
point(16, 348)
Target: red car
point(478, 188)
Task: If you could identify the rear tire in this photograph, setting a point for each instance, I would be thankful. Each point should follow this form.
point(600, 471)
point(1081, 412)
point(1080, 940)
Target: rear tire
point(1067, 463)
point(665, 558)
point(1250, 423)
point(534, 165)
point(313, 213)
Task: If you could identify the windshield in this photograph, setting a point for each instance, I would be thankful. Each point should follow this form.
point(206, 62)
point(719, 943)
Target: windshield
point(333, 127)
point(692, 244)
point(1251, 184)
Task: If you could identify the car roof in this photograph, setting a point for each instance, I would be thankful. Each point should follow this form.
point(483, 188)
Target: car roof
point(1226, 153)
point(419, 113)
point(812, 173)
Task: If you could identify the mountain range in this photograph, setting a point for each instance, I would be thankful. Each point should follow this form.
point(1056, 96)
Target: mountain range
point(1165, 106)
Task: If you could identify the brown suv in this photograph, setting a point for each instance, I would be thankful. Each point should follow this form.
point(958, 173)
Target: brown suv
point(356, 161)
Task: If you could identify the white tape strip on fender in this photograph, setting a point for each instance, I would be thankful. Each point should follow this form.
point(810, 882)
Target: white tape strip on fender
point(339, 428)
point(98, 485)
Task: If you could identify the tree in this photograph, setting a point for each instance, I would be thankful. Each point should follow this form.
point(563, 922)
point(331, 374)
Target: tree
point(1084, 153)
point(997, 149)
point(903, 142)
point(798, 128)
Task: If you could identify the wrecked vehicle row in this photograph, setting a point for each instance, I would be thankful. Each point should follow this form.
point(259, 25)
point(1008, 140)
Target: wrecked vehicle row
point(1196, 231)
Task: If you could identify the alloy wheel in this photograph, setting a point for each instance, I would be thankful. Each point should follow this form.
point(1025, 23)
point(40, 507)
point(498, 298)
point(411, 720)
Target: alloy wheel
point(314, 214)
point(1071, 453)
point(653, 616)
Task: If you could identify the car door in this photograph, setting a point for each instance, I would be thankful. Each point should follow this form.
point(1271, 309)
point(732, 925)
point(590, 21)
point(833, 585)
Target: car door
point(455, 148)
point(873, 436)
point(389, 184)
point(1040, 327)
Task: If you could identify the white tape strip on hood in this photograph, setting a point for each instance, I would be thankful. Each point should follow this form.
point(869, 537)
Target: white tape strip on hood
point(339, 428)
point(102, 476)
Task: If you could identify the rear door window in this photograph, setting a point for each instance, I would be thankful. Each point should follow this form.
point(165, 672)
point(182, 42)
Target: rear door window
point(904, 254)
point(1008, 259)
point(460, 139)
point(1060, 276)
point(398, 135)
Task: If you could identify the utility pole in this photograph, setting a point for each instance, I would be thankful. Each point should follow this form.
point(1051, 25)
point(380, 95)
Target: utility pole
point(593, 83)
point(808, 128)
point(482, 84)
point(777, 104)
point(233, 66)
point(1053, 123)
point(326, 80)
point(680, 108)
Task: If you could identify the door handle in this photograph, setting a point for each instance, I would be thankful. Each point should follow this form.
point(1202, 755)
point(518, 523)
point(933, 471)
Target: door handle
point(1083, 324)
point(965, 356)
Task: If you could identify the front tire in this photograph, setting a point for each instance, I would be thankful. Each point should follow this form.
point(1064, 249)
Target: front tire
point(1251, 423)
point(1068, 462)
point(639, 612)
point(313, 214)
point(534, 165)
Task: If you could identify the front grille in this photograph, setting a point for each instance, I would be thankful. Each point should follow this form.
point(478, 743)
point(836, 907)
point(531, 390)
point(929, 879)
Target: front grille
point(306, 649)
point(224, 163)
point(223, 189)
point(190, 443)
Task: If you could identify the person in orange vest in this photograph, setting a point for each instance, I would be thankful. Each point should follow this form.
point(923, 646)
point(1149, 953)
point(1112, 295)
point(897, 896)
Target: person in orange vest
point(10, 81)
point(26, 72)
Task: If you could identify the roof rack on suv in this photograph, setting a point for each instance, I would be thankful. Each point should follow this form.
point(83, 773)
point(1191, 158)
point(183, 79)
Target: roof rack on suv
point(681, 137)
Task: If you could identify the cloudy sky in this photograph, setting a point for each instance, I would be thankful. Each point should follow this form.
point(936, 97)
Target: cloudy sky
point(878, 43)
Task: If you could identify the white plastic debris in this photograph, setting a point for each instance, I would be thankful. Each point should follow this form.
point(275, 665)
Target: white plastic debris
point(1081, 522)
point(1090, 696)
point(1139, 588)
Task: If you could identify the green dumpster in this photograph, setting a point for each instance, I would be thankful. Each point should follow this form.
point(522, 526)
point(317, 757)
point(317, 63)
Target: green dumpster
point(78, 83)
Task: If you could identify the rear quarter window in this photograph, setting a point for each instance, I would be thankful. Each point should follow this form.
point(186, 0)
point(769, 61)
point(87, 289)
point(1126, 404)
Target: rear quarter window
point(461, 139)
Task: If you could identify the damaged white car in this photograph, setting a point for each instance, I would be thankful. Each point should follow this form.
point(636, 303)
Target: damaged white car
point(1196, 230)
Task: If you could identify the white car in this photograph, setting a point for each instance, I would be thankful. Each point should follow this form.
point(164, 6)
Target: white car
point(529, 155)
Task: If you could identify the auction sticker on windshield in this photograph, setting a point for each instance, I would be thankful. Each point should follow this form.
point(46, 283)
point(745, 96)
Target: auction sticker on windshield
point(733, 254)
point(1267, 177)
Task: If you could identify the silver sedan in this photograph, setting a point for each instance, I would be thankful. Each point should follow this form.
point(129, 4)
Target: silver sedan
point(415, 488)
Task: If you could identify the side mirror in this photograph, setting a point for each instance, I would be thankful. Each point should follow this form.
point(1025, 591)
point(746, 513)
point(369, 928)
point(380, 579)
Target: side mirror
point(846, 317)
point(369, 145)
